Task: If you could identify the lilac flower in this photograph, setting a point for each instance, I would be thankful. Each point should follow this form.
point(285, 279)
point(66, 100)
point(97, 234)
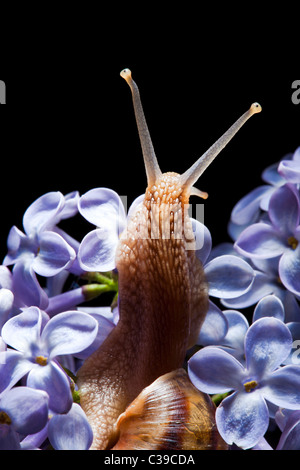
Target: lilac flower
point(37, 341)
point(290, 169)
point(266, 282)
point(105, 326)
point(101, 207)
point(269, 306)
point(263, 284)
point(2, 347)
point(237, 326)
point(70, 431)
point(70, 299)
point(6, 305)
point(5, 278)
point(40, 250)
point(22, 411)
point(228, 277)
point(214, 327)
point(250, 208)
point(6, 295)
point(290, 437)
point(243, 417)
point(233, 339)
point(280, 237)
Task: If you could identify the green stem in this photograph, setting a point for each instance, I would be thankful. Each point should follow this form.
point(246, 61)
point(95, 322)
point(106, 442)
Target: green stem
point(218, 397)
point(107, 279)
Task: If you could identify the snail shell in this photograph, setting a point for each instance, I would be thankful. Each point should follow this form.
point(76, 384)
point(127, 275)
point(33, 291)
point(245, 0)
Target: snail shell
point(169, 414)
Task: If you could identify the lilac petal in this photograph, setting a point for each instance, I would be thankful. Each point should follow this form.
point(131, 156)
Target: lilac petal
point(27, 408)
point(290, 170)
point(66, 301)
point(69, 333)
point(228, 276)
point(284, 210)
point(55, 284)
point(105, 326)
point(55, 254)
point(282, 387)
point(70, 240)
point(98, 250)
point(235, 230)
point(260, 287)
point(135, 205)
point(42, 213)
point(268, 266)
point(2, 348)
point(13, 367)
point(269, 306)
point(54, 381)
point(264, 204)
point(70, 431)
point(281, 416)
point(71, 205)
point(34, 441)
point(290, 438)
point(16, 240)
point(296, 156)
point(224, 248)
point(289, 270)
point(270, 175)
point(214, 327)
point(6, 304)
point(213, 370)
point(294, 356)
point(267, 343)
point(23, 330)
point(291, 306)
point(203, 240)
point(27, 289)
point(262, 445)
point(247, 209)
point(260, 240)
point(9, 438)
point(103, 207)
point(5, 278)
point(242, 419)
point(100, 312)
point(234, 340)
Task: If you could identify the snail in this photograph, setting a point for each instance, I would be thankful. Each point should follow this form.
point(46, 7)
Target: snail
point(163, 300)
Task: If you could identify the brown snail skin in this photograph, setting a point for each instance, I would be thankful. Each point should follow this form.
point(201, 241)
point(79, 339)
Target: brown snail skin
point(163, 299)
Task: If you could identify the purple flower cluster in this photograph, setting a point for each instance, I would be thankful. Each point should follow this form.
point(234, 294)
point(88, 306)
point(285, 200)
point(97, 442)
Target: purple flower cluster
point(249, 366)
point(44, 336)
point(254, 371)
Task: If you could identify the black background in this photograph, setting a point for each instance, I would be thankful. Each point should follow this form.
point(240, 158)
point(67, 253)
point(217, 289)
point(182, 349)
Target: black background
point(69, 123)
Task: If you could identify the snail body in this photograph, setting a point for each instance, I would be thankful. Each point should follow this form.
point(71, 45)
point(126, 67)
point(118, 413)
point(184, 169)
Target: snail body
point(163, 300)
point(154, 330)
